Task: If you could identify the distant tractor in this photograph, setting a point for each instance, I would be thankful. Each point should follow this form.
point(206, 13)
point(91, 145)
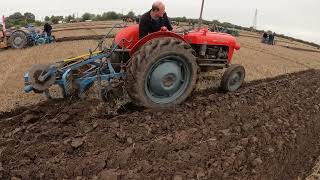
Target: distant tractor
point(221, 29)
point(191, 22)
point(268, 38)
point(127, 19)
point(23, 37)
point(175, 23)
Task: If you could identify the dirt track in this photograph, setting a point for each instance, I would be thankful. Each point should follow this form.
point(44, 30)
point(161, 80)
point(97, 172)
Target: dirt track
point(89, 37)
point(268, 130)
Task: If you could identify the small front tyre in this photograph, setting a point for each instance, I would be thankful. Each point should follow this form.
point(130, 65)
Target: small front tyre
point(233, 78)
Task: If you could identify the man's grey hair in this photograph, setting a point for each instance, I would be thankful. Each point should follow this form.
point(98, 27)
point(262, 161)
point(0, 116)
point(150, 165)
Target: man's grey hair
point(157, 5)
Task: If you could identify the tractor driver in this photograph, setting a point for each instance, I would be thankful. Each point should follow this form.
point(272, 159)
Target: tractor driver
point(47, 28)
point(153, 20)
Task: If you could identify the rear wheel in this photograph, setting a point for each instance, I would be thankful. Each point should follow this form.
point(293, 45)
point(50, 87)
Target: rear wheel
point(162, 73)
point(233, 78)
point(18, 40)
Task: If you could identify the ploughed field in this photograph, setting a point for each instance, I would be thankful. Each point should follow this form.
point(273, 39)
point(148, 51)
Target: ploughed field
point(267, 130)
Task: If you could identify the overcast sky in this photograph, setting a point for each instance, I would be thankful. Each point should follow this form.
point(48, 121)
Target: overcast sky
point(297, 18)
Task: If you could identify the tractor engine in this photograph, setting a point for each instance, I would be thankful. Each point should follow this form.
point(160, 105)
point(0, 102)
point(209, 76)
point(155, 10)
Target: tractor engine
point(211, 51)
point(211, 56)
point(216, 52)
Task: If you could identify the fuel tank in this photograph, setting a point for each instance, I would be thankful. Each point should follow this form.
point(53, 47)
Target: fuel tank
point(204, 36)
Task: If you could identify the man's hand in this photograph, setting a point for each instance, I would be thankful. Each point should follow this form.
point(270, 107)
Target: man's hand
point(163, 28)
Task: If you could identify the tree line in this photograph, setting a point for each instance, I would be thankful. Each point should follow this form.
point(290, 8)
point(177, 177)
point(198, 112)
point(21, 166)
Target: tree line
point(18, 19)
point(21, 20)
point(106, 16)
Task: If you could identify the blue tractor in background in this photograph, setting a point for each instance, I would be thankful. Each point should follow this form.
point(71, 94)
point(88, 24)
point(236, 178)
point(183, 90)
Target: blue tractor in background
point(27, 37)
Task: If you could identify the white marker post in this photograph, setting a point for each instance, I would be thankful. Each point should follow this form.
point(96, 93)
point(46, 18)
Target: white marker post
point(4, 23)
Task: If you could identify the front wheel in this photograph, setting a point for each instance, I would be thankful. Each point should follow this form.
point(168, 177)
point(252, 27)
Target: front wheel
point(163, 73)
point(233, 78)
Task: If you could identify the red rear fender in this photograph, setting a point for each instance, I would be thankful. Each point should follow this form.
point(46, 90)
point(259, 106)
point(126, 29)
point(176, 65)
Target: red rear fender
point(159, 34)
point(129, 37)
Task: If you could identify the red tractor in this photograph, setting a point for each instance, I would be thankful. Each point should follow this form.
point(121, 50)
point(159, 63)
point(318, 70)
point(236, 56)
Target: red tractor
point(160, 70)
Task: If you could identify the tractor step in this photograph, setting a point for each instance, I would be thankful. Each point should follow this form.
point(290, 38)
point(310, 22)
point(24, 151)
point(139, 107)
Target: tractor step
point(213, 65)
point(215, 61)
point(218, 63)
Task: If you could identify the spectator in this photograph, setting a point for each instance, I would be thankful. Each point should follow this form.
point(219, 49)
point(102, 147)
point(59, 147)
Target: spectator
point(264, 37)
point(271, 38)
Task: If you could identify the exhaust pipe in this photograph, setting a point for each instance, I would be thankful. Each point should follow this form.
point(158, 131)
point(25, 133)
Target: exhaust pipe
point(201, 12)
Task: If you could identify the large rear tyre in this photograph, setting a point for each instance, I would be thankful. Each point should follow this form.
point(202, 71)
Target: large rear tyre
point(233, 78)
point(163, 73)
point(18, 40)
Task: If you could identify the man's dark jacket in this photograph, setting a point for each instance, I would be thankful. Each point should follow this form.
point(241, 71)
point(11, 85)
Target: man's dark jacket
point(148, 25)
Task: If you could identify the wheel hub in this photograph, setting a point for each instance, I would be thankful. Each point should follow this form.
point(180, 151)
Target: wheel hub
point(169, 80)
point(235, 81)
point(166, 79)
point(18, 40)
